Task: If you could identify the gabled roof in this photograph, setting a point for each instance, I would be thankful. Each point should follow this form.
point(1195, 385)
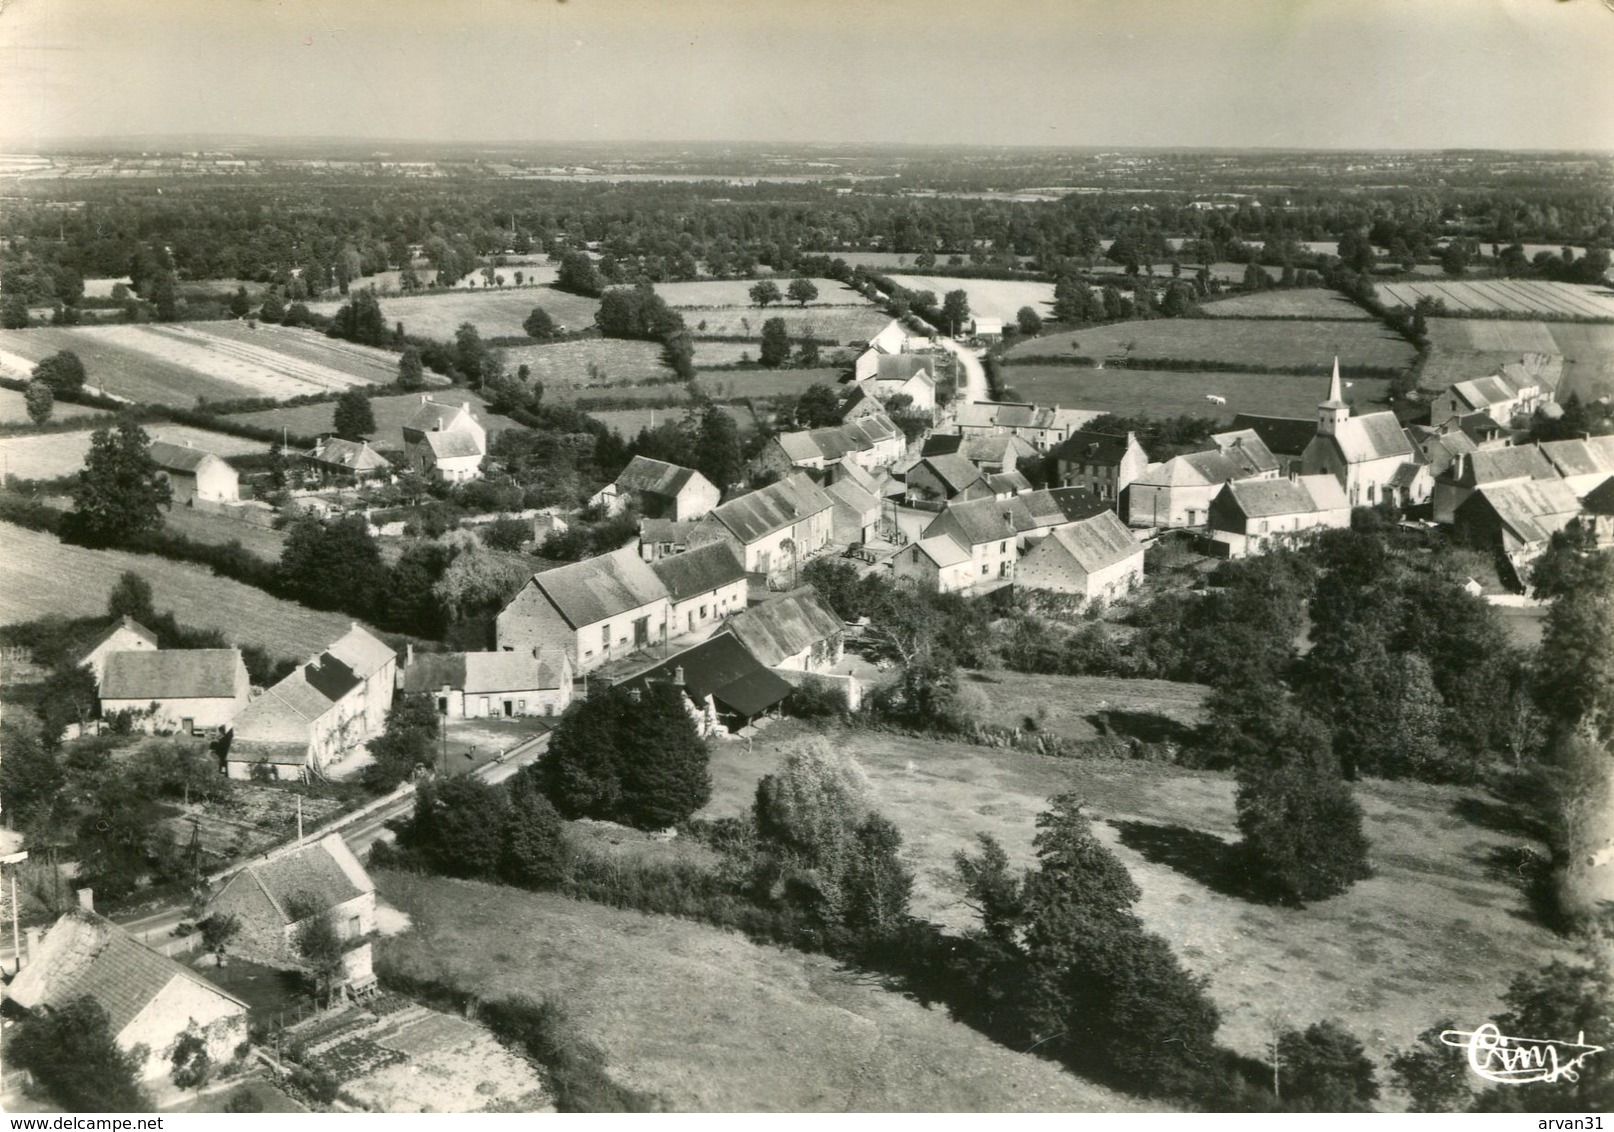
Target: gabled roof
point(954, 472)
point(433, 416)
point(1581, 457)
point(1088, 447)
point(289, 705)
point(1284, 436)
point(943, 550)
point(1483, 392)
point(835, 443)
point(1495, 465)
point(1600, 500)
point(105, 635)
point(84, 954)
point(849, 494)
point(901, 367)
point(723, 668)
point(355, 456)
point(171, 674)
point(762, 512)
point(330, 677)
point(1246, 445)
point(1007, 483)
point(515, 671)
point(318, 877)
point(666, 530)
point(180, 458)
point(590, 591)
point(447, 445)
point(942, 444)
point(1373, 436)
point(654, 477)
point(978, 521)
point(429, 671)
point(783, 626)
point(699, 571)
point(1094, 542)
point(362, 651)
point(1305, 495)
point(1049, 507)
point(1532, 510)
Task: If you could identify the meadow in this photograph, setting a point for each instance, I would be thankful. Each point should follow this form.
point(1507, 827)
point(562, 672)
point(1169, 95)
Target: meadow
point(1297, 346)
point(390, 415)
point(1159, 393)
point(14, 409)
point(844, 325)
point(1507, 296)
point(1471, 347)
point(41, 575)
point(1437, 931)
point(55, 454)
point(580, 362)
point(710, 1021)
point(1309, 302)
point(1067, 705)
point(497, 313)
point(766, 383)
point(737, 293)
point(989, 298)
point(628, 422)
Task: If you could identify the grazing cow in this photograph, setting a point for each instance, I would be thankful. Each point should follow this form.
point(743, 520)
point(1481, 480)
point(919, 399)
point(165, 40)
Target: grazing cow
point(1211, 397)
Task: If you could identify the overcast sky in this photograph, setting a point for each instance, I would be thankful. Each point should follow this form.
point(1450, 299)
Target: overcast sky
point(1305, 73)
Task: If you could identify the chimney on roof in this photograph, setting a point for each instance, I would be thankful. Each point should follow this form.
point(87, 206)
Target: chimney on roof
point(678, 675)
point(86, 899)
point(409, 654)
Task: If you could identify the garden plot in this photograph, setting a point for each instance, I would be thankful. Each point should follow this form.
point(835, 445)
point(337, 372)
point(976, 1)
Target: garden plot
point(1508, 296)
point(581, 362)
point(989, 298)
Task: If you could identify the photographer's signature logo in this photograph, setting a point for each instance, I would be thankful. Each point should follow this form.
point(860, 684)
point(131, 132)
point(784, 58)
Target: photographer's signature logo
point(1519, 1061)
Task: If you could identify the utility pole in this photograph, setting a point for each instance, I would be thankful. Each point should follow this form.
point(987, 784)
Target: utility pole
point(16, 935)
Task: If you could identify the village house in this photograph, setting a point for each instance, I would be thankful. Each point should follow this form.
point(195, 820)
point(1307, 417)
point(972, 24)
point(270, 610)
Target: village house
point(703, 586)
point(445, 441)
point(123, 635)
point(658, 490)
point(1597, 514)
point(1045, 427)
point(1103, 463)
point(1483, 468)
point(1285, 437)
point(794, 630)
point(777, 527)
point(1492, 396)
point(936, 480)
point(184, 690)
point(346, 461)
point(1365, 454)
point(193, 474)
point(490, 685)
point(1582, 464)
point(986, 329)
point(1438, 447)
point(1178, 492)
point(725, 688)
point(1516, 519)
point(1254, 516)
point(991, 453)
point(911, 375)
point(150, 1000)
point(871, 442)
point(891, 340)
point(597, 610)
point(986, 528)
point(936, 565)
point(317, 716)
point(659, 538)
point(857, 511)
point(1092, 559)
point(272, 900)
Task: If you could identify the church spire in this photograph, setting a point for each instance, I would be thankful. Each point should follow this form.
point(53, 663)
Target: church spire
point(1334, 411)
point(1336, 398)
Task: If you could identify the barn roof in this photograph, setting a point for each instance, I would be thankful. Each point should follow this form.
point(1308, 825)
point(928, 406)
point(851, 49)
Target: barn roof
point(105, 635)
point(1495, 465)
point(783, 626)
point(1530, 509)
point(1283, 436)
point(429, 671)
point(1581, 457)
point(723, 668)
point(978, 521)
point(362, 651)
point(762, 512)
point(590, 591)
point(953, 471)
point(318, 876)
point(1094, 542)
point(180, 458)
point(943, 550)
point(171, 674)
point(699, 571)
point(355, 456)
point(902, 367)
point(654, 477)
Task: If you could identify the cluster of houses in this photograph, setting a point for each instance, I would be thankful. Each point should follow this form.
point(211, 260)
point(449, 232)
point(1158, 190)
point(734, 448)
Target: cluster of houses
point(152, 1000)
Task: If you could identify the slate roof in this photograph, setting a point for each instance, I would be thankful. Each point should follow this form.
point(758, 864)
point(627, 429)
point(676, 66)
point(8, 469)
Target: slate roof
point(901, 367)
point(179, 457)
point(105, 635)
point(1600, 500)
point(171, 674)
point(666, 530)
point(431, 671)
point(1265, 499)
point(1049, 507)
point(447, 445)
point(86, 954)
point(699, 571)
point(433, 416)
point(654, 477)
point(1372, 436)
point(1531, 509)
point(723, 668)
point(590, 591)
point(943, 550)
point(850, 495)
point(1088, 447)
point(1007, 483)
point(978, 520)
point(330, 677)
point(322, 875)
point(1095, 542)
point(1581, 457)
point(288, 705)
point(762, 512)
point(837, 442)
point(1283, 436)
point(362, 651)
point(954, 472)
point(354, 456)
point(942, 444)
point(1494, 465)
point(1245, 444)
point(785, 625)
point(1483, 392)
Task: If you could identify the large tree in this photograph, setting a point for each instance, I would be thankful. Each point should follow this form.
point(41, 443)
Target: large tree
point(39, 401)
point(775, 349)
point(577, 275)
point(539, 324)
point(765, 292)
point(354, 419)
point(717, 450)
point(802, 291)
point(63, 372)
point(71, 1051)
point(411, 373)
point(332, 565)
point(120, 492)
point(955, 310)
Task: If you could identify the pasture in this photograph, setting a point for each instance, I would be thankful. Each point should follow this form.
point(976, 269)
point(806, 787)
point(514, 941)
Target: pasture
point(1296, 346)
point(56, 454)
point(1472, 347)
point(989, 298)
point(1507, 296)
point(179, 363)
point(1066, 705)
point(710, 1021)
point(1311, 302)
point(1438, 931)
point(390, 415)
point(1159, 393)
point(40, 575)
point(14, 409)
point(737, 293)
point(628, 422)
point(844, 325)
point(497, 313)
point(579, 362)
point(765, 383)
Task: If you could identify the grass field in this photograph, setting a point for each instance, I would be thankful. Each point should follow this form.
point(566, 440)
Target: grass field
point(628, 422)
point(844, 325)
point(989, 298)
point(390, 415)
point(495, 314)
point(565, 365)
point(766, 383)
point(14, 409)
point(62, 453)
point(177, 363)
point(712, 1022)
point(1437, 931)
point(1158, 393)
point(737, 293)
point(1304, 347)
point(1469, 347)
point(1510, 296)
point(40, 575)
point(1312, 302)
point(1067, 703)
point(209, 527)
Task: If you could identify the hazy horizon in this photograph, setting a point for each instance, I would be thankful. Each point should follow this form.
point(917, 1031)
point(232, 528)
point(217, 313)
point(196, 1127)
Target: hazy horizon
point(1081, 74)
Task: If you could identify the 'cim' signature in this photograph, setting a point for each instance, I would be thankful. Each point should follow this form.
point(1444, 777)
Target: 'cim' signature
point(1519, 1061)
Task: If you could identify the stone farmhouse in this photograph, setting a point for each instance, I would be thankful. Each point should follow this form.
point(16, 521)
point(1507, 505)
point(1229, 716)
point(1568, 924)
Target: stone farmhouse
point(658, 490)
point(1103, 463)
point(490, 685)
point(775, 528)
point(184, 690)
point(193, 474)
point(1093, 559)
point(346, 461)
point(123, 635)
point(446, 442)
point(1253, 516)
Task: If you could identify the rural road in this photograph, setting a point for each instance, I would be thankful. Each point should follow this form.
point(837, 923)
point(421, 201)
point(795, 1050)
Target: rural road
point(156, 926)
point(975, 387)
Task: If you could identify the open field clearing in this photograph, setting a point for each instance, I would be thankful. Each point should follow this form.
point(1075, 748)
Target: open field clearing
point(709, 353)
point(62, 453)
point(1159, 393)
point(628, 422)
point(1437, 932)
point(712, 1022)
point(41, 575)
point(1470, 347)
point(14, 409)
point(844, 325)
point(496, 313)
point(1312, 302)
point(1303, 347)
point(1510, 296)
point(390, 415)
point(212, 527)
point(178, 363)
point(1066, 705)
point(989, 298)
point(737, 293)
point(561, 365)
point(766, 383)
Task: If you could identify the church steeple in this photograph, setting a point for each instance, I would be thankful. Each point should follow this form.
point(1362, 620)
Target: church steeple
point(1334, 411)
